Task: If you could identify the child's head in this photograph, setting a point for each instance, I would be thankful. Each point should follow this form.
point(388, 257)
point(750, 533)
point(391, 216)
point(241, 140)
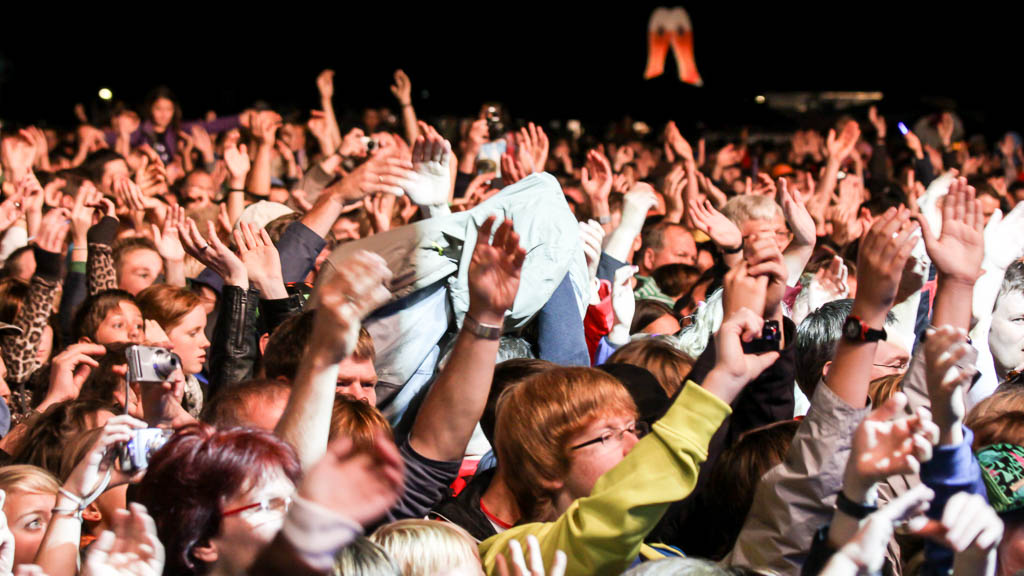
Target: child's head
point(108, 317)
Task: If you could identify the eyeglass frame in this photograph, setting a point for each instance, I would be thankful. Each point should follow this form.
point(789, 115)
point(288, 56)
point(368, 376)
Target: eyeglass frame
point(638, 428)
point(263, 503)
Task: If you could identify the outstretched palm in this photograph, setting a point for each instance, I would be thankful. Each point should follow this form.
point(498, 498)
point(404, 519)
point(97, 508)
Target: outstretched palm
point(494, 271)
point(431, 179)
point(959, 249)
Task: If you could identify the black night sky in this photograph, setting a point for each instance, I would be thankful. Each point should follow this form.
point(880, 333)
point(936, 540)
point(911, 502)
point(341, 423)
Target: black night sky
point(544, 61)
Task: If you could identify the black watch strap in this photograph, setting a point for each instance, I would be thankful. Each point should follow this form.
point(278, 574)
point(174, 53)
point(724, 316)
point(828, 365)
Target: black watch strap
point(853, 509)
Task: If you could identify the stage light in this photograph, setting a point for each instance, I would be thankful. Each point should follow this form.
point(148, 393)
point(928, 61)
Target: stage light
point(759, 98)
point(106, 94)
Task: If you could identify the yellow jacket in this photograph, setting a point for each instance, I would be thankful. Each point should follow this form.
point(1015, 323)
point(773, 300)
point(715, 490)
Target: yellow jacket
point(604, 532)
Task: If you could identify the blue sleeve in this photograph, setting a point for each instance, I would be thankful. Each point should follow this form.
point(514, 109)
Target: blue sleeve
point(604, 350)
point(607, 266)
point(952, 469)
point(560, 337)
point(298, 247)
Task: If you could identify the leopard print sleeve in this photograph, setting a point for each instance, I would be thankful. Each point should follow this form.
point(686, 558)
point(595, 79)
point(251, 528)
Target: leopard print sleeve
point(100, 269)
point(20, 351)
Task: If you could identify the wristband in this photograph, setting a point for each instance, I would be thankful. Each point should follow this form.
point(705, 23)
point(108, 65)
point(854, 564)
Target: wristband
point(241, 190)
point(735, 250)
point(485, 331)
point(853, 509)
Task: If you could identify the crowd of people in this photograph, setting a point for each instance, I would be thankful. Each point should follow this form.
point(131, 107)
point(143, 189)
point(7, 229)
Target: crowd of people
point(488, 345)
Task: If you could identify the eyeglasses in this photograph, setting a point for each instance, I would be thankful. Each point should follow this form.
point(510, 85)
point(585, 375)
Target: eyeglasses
point(901, 365)
point(638, 429)
point(257, 510)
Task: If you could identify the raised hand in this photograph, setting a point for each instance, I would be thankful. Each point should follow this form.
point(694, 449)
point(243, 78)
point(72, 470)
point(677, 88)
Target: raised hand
point(430, 182)
point(866, 549)
point(945, 347)
point(740, 289)
point(973, 531)
point(132, 548)
point(12, 209)
point(635, 205)
point(591, 236)
point(538, 145)
point(214, 254)
point(357, 288)
point(380, 208)
point(321, 130)
point(914, 143)
point(722, 231)
point(729, 155)
point(960, 248)
point(203, 143)
point(623, 305)
point(623, 155)
point(596, 177)
point(353, 145)
point(799, 219)
point(375, 479)
point(261, 259)
point(402, 88)
point(236, 158)
point(536, 565)
point(887, 443)
point(53, 229)
point(674, 139)
point(86, 202)
point(325, 84)
point(17, 154)
point(838, 148)
point(880, 262)
point(734, 369)
point(70, 369)
point(877, 121)
point(494, 272)
point(511, 170)
point(675, 185)
point(384, 172)
point(89, 472)
point(168, 239)
point(264, 126)
point(765, 259)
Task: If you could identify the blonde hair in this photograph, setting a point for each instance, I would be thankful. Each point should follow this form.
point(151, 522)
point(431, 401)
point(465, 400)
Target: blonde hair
point(536, 420)
point(427, 547)
point(668, 364)
point(27, 478)
point(742, 209)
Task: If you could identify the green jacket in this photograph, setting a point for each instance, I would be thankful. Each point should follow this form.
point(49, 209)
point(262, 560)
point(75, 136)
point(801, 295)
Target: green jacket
point(604, 532)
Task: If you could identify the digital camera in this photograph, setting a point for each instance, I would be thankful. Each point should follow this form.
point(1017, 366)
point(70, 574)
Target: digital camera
point(771, 334)
point(136, 452)
point(151, 364)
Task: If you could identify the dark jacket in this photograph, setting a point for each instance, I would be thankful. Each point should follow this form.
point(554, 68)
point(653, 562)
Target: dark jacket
point(464, 509)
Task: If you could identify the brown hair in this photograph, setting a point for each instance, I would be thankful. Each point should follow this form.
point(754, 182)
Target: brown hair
point(884, 387)
point(167, 304)
point(1006, 427)
point(13, 294)
point(230, 405)
point(125, 246)
point(357, 420)
point(94, 311)
point(666, 362)
point(536, 419)
point(675, 280)
point(284, 349)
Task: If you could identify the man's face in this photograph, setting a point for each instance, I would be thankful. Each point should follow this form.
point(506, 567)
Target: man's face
point(198, 189)
point(358, 378)
point(1006, 337)
point(774, 228)
point(988, 205)
point(138, 271)
point(890, 358)
point(678, 248)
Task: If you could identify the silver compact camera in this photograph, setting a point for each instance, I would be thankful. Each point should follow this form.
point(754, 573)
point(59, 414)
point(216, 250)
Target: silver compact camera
point(136, 452)
point(151, 364)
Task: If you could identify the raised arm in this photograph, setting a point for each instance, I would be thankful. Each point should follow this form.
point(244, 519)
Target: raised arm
point(264, 127)
point(441, 432)
point(357, 288)
point(402, 91)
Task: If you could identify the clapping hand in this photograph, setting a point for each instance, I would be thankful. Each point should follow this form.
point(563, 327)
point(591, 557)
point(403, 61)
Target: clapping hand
point(357, 288)
point(494, 272)
point(431, 178)
point(960, 247)
point(261, 259)
point(214, 254)
point(131, 548)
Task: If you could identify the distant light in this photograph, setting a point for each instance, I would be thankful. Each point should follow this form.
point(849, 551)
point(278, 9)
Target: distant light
point(759, 99)
point(106, 94)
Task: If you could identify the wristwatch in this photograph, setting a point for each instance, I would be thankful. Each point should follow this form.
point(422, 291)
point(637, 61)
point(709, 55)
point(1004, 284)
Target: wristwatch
point(485, 331)
point(855, 330)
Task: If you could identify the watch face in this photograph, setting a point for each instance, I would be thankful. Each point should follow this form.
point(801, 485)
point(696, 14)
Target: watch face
point(852, 329)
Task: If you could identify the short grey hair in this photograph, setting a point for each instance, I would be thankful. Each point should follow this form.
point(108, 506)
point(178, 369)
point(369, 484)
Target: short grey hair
point(1013, 281)
point(817, 337)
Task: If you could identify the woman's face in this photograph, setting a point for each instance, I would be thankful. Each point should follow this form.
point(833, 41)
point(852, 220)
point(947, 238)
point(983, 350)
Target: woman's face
point(162, 112)
point(28, 513)
point(588, 463)
point(244, 533)
point(189, 340)
point(122, 324)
